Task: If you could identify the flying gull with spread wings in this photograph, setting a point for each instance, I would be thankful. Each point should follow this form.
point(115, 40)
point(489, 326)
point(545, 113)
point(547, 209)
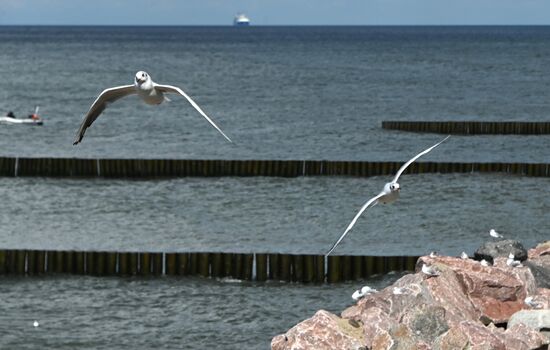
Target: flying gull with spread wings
point(389, 194)
point(149, 91)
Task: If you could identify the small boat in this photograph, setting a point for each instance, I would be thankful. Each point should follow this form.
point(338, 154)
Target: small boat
point(241, 20)
point(33, 119)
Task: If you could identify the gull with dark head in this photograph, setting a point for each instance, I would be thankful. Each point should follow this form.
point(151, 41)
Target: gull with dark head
point(149, 91)
point(389, 194)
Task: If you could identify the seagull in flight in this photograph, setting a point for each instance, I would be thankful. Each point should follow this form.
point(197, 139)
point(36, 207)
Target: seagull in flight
point(389, 194)
point(149, 91)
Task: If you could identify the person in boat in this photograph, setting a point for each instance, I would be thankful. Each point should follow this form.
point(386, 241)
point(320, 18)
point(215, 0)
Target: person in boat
point(11, 115)
point(35, 115)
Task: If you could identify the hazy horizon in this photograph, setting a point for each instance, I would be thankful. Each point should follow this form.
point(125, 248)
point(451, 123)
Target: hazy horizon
point(276, 13)
point(263, 25)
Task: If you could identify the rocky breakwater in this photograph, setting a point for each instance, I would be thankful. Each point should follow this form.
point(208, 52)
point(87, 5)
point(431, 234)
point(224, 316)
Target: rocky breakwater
point(467, 304)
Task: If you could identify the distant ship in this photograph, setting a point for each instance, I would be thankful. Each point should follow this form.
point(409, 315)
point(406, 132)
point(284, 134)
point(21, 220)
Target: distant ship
point(241, 20)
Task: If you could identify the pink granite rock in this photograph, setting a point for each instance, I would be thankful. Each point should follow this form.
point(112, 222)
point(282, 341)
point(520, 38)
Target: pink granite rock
point(323, 331)
point(470, 335)
point(521, 337)
point(497, 291)
point(539, 263)
point(517, 337)
point(456, 309)
point(540, 250)
point(542, 298)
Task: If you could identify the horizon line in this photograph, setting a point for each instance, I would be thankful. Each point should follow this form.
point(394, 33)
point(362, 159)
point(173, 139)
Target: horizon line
point(272, 25)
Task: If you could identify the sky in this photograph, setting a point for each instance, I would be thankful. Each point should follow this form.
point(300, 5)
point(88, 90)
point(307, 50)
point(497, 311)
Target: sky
point(275, 12)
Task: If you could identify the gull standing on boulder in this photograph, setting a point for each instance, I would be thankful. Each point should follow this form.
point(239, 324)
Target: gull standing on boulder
point(532, 303)
point(430, 271)
point(389, 194)
point(149, 91)
point(366, 290)
point(512, 262)
point(495, 234)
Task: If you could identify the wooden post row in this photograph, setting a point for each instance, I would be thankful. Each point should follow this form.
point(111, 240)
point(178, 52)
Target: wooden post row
point(148, 168)
point(470, 127)
point(259, 267)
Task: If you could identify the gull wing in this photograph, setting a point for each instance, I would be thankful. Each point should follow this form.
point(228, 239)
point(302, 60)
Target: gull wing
point(107, 96)
point(404, 166)
point(177, 90)
point(371, 203)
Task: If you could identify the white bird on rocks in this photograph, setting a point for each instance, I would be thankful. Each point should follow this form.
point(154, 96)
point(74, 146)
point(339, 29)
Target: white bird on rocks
point(366, 290)
point(429, 270)
point(495, 234)
point(530, 302)
point(512, 262)
point(398, 290)
point(149, 91)
point(433, 254)
point(484, 262)
point(464, 256)
point(389, 194)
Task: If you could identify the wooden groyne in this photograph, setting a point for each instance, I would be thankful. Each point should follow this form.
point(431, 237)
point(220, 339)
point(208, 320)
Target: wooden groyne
point(249, 267)
point(471, 127)
point(154, 168)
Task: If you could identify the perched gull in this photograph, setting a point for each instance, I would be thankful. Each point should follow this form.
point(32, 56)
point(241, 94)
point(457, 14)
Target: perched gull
point(495, 234)
point(484, 262)
point(512, 262)
point(366, 290)
point(149, 91)
point(433, 255)
point(530, 302)
point(429, 270)
point(398, 290)
point(464, 256)
point(389, 194)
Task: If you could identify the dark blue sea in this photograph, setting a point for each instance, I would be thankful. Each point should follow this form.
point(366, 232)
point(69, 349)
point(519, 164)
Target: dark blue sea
point(279, 93)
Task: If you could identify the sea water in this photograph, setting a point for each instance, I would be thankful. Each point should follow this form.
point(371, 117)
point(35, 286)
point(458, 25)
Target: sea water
point(279, 93)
